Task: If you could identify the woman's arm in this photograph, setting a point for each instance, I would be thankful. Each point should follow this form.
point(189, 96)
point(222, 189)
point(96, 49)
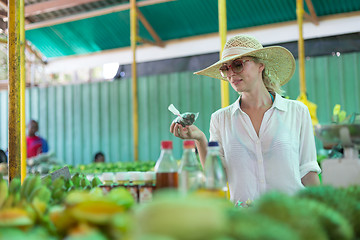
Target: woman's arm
point(201, 145)
point(311, 179)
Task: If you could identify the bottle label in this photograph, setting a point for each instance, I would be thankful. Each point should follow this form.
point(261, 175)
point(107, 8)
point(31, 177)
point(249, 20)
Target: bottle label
point(145, 194)
point(134, 192)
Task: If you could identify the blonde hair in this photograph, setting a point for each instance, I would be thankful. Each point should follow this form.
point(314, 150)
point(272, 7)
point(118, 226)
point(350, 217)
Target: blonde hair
point(271, 86)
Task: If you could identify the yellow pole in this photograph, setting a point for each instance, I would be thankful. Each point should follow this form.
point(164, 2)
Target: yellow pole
point(224, 85)
point(22, 91)
point(14, 89)
point(301, 51)
point(223, 31)
point(133, 38)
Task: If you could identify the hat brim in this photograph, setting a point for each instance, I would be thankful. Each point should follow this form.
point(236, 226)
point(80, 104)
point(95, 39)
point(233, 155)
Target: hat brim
point(279, 63)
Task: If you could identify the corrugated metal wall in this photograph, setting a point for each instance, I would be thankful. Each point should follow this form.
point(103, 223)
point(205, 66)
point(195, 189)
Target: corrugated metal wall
point(79, 120)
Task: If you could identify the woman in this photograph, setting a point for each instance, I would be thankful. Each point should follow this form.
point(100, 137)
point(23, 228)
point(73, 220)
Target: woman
point(266, 141)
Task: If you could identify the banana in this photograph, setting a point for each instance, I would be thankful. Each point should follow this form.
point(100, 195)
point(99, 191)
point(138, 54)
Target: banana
point(85, 182)
point(58, 195)
point(42, 193)
point(9, 202)
point(76, 180)
point(47, 181)
point(68, 184)
point(4, 191)
point(17, 201)
point(58, 183)
point(33, 184)
point(24, 186)
point(14, 185)
point(96, 181)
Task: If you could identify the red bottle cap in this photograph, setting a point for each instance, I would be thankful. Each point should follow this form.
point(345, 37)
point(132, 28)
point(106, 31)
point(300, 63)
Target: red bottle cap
point(166, 145)
point(189, 144)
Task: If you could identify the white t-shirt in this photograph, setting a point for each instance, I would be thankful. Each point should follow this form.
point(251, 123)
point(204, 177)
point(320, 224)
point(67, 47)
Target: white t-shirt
point(283, 153)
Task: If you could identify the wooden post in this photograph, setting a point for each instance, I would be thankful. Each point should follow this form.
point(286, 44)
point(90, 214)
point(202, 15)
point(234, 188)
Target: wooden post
point(133, 38)
point(301, 50)
point(14, 89)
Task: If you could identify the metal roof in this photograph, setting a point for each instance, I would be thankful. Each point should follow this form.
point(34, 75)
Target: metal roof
point(170, 20)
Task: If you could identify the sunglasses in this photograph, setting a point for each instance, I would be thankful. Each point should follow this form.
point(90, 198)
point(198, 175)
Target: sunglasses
point(237, 66)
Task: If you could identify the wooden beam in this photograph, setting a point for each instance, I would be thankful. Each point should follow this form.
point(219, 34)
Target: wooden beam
point(3, 25)
point(3, 14)
point(150, 29)
point(91, 14)
point(4, 5)
point(313, 16)
point(37, 54)
point(53, 5)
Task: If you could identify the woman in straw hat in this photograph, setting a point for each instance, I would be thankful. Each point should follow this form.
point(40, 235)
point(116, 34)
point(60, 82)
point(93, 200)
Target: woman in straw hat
point(266, 141)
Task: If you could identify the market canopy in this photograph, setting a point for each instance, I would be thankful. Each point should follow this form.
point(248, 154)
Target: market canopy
point(59, 28)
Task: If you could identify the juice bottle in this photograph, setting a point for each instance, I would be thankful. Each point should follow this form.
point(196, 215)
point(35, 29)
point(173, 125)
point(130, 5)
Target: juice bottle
point(146, 188)
point(166, 168)
point(108, 180)
point(135, 179)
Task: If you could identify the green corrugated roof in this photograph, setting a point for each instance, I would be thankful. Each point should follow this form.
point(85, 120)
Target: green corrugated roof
point(171, 20)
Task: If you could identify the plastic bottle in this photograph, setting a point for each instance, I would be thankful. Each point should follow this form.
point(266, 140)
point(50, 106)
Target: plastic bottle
point(215, 177)
point(146, 188)
point(190, 172)
point(166, 167)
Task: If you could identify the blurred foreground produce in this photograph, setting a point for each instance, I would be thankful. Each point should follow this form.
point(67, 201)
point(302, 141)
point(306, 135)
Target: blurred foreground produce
point(273, 216)
point(96, 168)
point(78, 209)
point(72, 208)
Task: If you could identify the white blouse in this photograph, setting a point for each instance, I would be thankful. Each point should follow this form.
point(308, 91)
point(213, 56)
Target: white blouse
point(283, 153)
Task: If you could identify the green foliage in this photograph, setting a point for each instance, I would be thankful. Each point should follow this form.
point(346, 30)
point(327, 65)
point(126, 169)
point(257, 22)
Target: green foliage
point(247, 224)
point(98, 168)
point(346, 201)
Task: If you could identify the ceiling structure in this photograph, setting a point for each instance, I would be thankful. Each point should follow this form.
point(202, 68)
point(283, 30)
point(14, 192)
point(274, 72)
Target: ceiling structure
point(65, 28)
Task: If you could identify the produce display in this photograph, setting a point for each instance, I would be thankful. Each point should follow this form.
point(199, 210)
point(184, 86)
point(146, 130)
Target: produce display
point(97, 168)
point(77, 208)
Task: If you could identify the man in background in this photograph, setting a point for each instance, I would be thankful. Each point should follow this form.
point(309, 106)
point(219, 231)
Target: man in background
point(34, 143)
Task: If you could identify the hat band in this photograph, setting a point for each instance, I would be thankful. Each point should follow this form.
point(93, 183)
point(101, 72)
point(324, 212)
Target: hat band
point(236, 51)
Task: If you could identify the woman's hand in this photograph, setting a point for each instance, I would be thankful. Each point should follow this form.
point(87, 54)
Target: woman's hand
point(191, 132)
point(188, 132)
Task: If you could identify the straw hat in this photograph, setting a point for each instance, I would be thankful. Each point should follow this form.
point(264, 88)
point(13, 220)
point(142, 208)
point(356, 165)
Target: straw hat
point(279, 62)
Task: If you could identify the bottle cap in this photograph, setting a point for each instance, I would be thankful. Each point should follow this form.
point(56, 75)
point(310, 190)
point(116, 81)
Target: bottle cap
point(213, 144)
point(107, 176)
point(121, 176)
point(189, 144)
point(166, 145)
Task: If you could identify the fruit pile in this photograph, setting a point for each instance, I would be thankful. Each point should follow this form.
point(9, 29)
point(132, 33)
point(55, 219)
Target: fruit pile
point(320, 212)
point(46, 209)
point(77, 208)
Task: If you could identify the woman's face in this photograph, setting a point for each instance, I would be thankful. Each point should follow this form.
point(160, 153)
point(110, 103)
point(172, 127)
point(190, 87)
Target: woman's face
point(248, 78)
